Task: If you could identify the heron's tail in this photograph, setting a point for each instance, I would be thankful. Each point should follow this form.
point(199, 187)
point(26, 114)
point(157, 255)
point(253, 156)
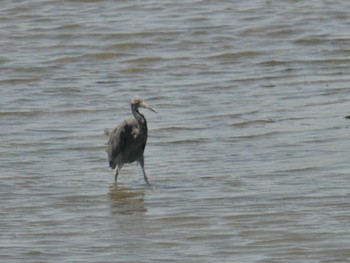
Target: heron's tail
point(112, 164)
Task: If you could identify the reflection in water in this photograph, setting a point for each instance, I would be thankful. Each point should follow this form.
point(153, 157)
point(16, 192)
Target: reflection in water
point(125, 200)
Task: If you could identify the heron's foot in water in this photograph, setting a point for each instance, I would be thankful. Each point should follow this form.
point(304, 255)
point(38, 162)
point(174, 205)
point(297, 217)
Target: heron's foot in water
point(146, 180)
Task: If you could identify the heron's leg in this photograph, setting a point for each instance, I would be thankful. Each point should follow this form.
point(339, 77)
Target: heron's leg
point(142, 163)
point(116, 171)
point(144, 176)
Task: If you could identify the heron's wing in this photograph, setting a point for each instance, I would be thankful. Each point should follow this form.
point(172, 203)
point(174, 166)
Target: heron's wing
point(117, 142)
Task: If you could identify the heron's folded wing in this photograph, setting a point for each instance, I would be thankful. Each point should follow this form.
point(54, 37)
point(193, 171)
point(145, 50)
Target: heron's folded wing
point(116, 143)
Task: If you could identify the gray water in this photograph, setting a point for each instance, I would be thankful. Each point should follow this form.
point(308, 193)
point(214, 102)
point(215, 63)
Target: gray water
point(247, 157)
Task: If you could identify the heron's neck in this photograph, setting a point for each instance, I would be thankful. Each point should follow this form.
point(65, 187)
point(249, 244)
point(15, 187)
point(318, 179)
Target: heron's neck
point(139, 117)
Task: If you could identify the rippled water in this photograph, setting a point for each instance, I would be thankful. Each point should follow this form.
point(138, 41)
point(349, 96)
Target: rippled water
point(248, 156)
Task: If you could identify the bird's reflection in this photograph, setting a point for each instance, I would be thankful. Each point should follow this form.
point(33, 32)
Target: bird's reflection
point(125, 200)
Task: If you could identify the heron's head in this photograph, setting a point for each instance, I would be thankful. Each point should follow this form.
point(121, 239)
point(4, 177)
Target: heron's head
point(138, 102)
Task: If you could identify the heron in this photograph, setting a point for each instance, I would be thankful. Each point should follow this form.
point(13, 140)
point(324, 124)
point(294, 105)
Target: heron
point(127, 141)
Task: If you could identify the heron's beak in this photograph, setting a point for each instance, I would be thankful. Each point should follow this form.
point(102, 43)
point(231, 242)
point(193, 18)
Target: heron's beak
point(146, 106)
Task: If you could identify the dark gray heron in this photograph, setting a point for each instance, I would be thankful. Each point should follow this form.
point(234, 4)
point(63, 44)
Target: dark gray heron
point(127, 141)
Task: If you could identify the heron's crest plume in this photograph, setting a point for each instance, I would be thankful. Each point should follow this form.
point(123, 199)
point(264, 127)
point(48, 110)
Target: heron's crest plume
point(136, 100)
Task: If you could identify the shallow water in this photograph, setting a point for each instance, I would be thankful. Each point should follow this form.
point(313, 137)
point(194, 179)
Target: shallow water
point(247, 157)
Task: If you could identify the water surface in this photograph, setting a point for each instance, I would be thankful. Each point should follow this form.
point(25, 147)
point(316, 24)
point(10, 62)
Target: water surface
point(248, 156)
